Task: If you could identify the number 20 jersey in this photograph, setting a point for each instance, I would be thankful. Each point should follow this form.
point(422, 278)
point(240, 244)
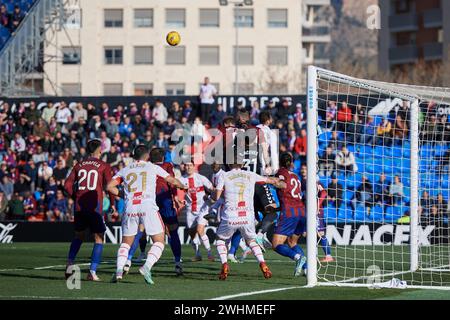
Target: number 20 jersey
point(239, 188)
point(86, 183)
point(139, 180)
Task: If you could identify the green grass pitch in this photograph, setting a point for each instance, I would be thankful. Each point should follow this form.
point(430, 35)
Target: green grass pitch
point(36, 271)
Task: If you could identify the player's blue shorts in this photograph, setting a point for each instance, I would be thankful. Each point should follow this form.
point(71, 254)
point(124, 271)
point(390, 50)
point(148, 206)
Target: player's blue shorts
point(291, 224)
point(89, 220)
point(166, 210)
point(321, 226)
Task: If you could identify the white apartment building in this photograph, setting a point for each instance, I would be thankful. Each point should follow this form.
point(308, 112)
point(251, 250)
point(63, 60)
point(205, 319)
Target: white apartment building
point(117, 47)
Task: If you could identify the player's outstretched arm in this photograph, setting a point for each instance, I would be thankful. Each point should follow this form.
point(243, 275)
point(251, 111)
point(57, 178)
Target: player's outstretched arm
point(175, 182)
point(276, 182)
point(112, 187)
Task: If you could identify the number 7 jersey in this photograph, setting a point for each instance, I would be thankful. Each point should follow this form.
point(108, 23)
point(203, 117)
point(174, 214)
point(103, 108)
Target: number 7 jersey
point(139, 179)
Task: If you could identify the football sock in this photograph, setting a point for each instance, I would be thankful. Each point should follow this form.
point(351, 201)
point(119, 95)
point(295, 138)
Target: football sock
point(206, 243)
point(235, 240)
point(256, 249)
point(96, 256)
point(286, 251)
point(298, 249)
point(135, 245)
point(243, 245)
point(268, 221)
point(175, 244)
point(325, 246)
point(74, 248)
point(143, 242)
point(154, 254)
point(122, 256)
point(196, 245)
point(222, 250)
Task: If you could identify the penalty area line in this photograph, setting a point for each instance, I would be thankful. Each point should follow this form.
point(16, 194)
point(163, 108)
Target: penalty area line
point(252, 293)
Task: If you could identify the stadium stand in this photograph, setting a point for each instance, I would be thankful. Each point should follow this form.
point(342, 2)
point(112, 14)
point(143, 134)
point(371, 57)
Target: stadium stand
point(12, 13)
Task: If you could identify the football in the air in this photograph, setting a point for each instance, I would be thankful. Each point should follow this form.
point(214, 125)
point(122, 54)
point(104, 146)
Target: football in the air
point(173, 38)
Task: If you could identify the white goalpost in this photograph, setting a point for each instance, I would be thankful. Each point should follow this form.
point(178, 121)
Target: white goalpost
point(382, 152)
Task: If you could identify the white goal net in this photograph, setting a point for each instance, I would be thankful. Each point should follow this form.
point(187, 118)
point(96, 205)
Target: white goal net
point(381, 151)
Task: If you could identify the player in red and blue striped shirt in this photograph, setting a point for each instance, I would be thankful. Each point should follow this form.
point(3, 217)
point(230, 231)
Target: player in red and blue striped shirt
point(292, 219)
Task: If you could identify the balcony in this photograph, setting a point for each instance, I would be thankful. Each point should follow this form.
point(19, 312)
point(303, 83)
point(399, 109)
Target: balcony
point(432, 18)
point(316, 33)
point(433, 51)
point(403, 22)
point(403, 54)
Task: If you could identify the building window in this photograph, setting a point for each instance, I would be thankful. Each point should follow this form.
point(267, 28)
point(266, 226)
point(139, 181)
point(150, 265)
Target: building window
point(143, 55)
point(113, 18)
point(277, 56)
point(243, 18)
point(208, 55)
point(113, 55)
point(175, 89)
point(175, 18)
point(112, 89)
point(143, 89)
point(277, 18)
point(243, 54)
point(71, 89)
point(71, 55)
point(143, 18)
point(209, 18)
point(243, 88)
point(73, 17)
point(176, 55)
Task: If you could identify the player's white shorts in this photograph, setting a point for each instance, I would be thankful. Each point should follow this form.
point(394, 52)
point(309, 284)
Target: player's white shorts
point(141, 214)
point(227, 228)
point(195, 218)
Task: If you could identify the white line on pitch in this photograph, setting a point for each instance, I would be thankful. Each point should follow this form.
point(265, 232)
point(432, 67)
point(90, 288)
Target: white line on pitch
point(66, 298)
point(251, 293)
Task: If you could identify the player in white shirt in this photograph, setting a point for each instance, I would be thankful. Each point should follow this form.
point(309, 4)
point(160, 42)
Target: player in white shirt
point(139, 181)
point(238, 187)
point(196, 208)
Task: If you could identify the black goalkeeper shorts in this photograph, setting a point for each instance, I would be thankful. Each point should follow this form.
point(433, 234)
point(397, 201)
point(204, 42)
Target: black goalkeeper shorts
point(262, 198)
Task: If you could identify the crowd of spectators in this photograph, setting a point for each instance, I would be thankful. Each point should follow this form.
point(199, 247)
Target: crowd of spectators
point(11, 15)
point(38, 147)
point(351, 132)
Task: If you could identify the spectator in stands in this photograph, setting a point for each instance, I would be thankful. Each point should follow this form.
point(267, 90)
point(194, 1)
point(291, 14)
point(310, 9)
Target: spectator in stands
point(113, 157)
point(5, 17)
point(255, 111)
point(16, 208)
point(3, 206)
point(355, 129)
point(175, 111)
point(63, 115)
point(207, 99)
point(60, 172)
point(187, 110)
point(442, 205)
point(32, 172)
point(344, 116)
point(425, 203)
point(330, 116)
point(161, 142)
point(218, 115)
point(48, 112)
point(22, 186)
point(16, 18)
point(345, 161)
point(44, 174)
point(300, 147)
point(299, 117)
point(363, 195)
point(396, 191)
point(126, 127)
point(335, 193)
point(285, 110)
point(79, 112)
point(381, 189)
point(361, 112)
point(40, 128)
point(18, 144)
point(106, 142)
point(368, 137)
point(400, 130)
point(327, 162)
point(335, 143)
point(384, 134)
point(273, 109)
point(59, 208)
point(159, 113)
point(32, 114)
point(59, 143)
point(50, 191)
point(430, 129)
point(7, 186)
point(29, 205)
